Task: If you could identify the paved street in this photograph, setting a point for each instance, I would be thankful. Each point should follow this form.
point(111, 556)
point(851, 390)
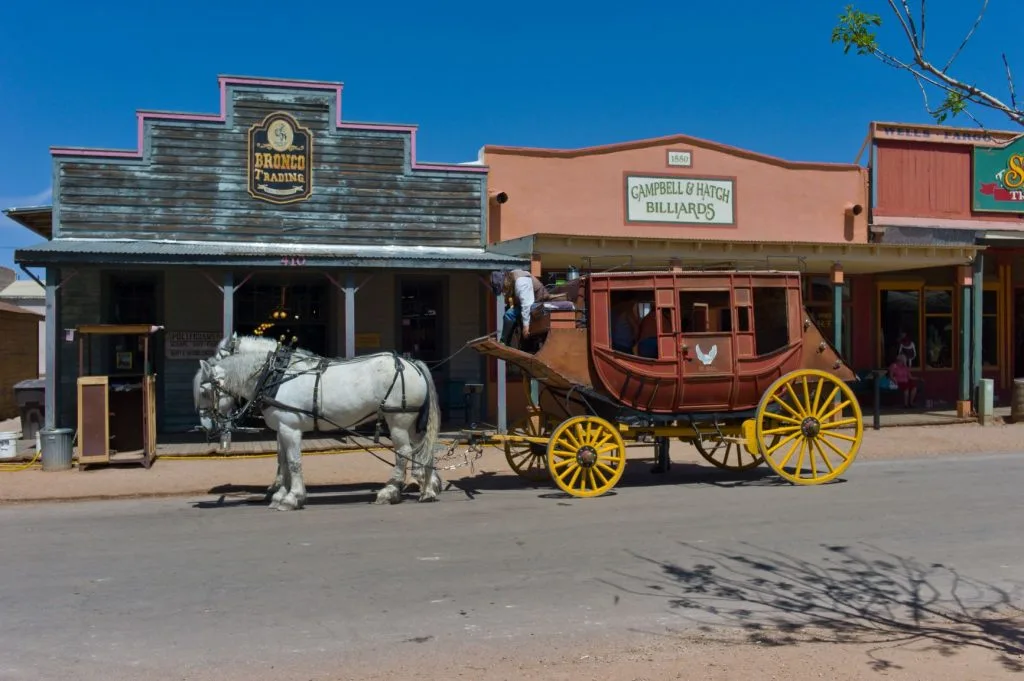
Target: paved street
point(502, 581)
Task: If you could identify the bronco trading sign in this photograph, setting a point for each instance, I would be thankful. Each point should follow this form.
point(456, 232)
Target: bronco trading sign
point(280, 160)
point(999, 178)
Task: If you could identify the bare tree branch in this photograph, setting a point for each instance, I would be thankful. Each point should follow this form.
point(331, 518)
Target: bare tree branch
point(1009, 82)
point(970, 34)
point(923, 15)
point(856, 30)
point(911, 35)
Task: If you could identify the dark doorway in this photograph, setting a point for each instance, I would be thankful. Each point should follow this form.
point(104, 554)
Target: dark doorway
point(131, 299)
point(275, 310)
point(1018, 332)
point(421, 318)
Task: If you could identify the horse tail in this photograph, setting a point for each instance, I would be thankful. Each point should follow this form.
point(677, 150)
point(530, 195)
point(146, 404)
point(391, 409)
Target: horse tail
point(432, 428)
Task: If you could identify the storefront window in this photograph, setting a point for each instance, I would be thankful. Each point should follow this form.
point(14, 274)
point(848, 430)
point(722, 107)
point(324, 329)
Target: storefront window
point(899, 312)
point(938, 328)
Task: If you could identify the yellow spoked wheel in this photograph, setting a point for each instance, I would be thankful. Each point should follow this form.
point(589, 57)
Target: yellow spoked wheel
point(586, 456)
point(805, 409)
point(526, 450)
point(728, 453)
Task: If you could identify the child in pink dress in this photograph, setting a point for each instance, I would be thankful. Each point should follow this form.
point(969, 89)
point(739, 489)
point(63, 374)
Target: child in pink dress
point(900, 373)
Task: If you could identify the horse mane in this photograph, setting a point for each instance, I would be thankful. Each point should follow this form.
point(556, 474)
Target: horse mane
point(261, 344)
point(241, 371)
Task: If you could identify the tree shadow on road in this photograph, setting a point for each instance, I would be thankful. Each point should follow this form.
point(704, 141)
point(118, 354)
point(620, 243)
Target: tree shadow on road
point(853, 595)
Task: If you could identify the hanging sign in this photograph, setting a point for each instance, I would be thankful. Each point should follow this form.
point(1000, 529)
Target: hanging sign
point(681, 200)
point(280, 160)
point(191, 344)
point(999, 178)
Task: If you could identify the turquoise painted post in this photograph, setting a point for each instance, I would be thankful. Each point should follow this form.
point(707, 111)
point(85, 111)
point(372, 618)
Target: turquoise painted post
point(965, 344)
point(534, 391)
point(977, 289)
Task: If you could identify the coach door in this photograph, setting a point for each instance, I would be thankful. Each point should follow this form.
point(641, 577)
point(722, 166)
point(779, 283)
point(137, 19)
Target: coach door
point(705, 342)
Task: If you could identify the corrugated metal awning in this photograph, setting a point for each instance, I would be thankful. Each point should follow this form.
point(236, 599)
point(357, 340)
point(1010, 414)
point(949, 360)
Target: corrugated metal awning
point(259, 254)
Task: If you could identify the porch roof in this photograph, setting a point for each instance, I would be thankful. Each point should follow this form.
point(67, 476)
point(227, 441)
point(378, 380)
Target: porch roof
point(259, 254)
point(558, 251)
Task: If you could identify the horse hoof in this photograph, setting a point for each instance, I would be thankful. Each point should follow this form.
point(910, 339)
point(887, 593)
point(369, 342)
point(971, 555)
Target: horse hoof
point(289, 504)
point(427, 498)
point(388, 495)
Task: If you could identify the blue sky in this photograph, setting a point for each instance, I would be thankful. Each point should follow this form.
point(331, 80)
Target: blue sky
point(749, 73)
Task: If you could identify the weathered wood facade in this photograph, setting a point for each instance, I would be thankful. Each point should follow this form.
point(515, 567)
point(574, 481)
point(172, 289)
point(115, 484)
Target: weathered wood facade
point(190, 180)
point(275, 191)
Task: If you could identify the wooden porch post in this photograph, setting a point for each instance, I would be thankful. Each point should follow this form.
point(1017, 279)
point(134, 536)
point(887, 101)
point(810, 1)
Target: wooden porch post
point(229, 305)
point(350, 315)
point(963, 404)
point(53, 349)
point(502, 416)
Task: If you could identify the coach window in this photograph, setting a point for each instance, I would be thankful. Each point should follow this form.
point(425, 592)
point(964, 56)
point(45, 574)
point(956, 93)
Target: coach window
point(625, 305)
point(771, 319)
point(705, 311)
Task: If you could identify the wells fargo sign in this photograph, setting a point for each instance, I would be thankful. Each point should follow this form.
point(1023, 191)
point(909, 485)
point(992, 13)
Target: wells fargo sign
point(280, 160)
point(999, 178)
point(681, 200)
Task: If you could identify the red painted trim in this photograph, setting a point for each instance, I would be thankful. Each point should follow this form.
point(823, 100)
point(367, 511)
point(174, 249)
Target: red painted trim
point(223, 83)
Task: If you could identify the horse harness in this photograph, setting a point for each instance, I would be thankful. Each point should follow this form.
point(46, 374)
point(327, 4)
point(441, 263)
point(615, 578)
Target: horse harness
point(273, 376)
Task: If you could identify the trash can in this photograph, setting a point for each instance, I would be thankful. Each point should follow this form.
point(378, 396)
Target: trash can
point(56, 454)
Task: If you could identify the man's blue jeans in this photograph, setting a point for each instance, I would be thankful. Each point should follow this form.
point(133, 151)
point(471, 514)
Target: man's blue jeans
point(511, 317)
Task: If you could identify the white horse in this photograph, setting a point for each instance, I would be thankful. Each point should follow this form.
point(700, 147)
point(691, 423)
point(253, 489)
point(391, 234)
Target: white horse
point(311, 391)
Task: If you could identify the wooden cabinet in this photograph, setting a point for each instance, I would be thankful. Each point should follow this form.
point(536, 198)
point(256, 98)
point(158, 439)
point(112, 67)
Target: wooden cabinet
point(116, 411)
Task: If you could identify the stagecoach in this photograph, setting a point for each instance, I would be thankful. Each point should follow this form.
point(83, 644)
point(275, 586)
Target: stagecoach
point(741, 371)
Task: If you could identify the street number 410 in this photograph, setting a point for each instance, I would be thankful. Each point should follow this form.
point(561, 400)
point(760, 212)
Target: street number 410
point(293, 260)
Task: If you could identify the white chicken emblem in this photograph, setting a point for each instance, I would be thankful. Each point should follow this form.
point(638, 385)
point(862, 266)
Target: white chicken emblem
point(709, 357)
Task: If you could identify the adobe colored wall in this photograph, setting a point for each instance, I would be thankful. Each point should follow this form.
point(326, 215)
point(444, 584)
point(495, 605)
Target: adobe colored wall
point(584, 192)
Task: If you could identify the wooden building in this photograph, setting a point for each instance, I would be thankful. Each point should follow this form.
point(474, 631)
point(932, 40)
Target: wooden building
point(274, 216)
point(938, 187)
point(683, 202)
point(19, 352)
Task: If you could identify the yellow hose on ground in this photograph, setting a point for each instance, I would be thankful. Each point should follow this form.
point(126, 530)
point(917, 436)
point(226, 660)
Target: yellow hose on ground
point(15, 467)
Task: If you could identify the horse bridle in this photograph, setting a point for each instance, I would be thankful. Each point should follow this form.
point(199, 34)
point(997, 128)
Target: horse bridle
point(224, 424)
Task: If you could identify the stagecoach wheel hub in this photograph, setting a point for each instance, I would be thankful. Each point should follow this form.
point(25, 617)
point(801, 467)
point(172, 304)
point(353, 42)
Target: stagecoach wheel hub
point(586, 456)
point(810, 427)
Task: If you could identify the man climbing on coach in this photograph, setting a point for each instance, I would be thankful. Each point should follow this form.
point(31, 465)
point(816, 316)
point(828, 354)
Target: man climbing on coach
point(523, 290)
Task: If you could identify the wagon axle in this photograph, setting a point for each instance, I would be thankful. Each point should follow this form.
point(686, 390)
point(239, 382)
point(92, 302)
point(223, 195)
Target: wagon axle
point(810, 427)
point(586, 456)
